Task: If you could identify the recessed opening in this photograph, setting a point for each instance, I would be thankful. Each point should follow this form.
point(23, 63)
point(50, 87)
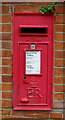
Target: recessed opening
point(33, 30)
point(24, 77)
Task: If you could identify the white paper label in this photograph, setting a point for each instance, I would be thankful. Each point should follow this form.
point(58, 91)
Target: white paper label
point(32, 62)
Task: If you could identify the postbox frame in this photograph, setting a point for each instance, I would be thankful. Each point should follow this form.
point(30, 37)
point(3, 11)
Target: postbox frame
point(15, 106)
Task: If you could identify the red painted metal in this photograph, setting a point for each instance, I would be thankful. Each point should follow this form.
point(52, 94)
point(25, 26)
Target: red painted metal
point(32, 91)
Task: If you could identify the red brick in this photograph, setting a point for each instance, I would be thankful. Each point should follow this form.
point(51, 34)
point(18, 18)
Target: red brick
point(0, 18)
point(59, 80)
point(59, 54)
point(0, 103)
point(6, 36)
point(59, 37)
point(7, 70)
point(21, 8)
point(0, 61)
point(5, 9)
point(59, 28)
point(4, 3)
point(60, 63)
point(6, 103)
point(56, 115)
point(0, 53)
point(0, 94)
point(0, 70)
point(7, 62)
point(58, 105)
point(4, 116)
point(6, 45)
point(59, 45)
point(59, 71)
point(6, 78)
point(0, 36)
point(0, 9)
point(6, 28)
point(6, 18)
point(28, 114)
point(64, 115)
point(59, 9)
point(0, 87)
point(7, 95)
point(0, 28)
point(0, 45)
point(59, 19)
point(1, 117)
point(59, 88)
point(32, 114)
point(42, 3)
point(58, 96)
point(7, 87)
point(6, 53)
point(6, 112)
point(0, 112)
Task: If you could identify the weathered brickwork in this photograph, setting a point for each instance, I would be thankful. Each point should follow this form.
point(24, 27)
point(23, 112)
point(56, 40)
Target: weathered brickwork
point(6, 53)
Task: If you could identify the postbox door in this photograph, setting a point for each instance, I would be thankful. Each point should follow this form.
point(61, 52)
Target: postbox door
point(33, 81)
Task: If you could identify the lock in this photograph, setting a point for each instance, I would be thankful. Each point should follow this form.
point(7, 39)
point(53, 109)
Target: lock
point(25, 80)
point(24, 77)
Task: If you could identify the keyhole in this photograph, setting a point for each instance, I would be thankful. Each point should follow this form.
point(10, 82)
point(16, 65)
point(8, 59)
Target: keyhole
point(24, 77)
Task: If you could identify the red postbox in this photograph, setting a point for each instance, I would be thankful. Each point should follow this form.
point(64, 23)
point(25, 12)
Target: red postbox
point(33, 61)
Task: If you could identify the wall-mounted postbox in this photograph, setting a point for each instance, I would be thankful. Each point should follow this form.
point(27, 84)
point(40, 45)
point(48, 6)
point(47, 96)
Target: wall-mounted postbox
point(32, 61)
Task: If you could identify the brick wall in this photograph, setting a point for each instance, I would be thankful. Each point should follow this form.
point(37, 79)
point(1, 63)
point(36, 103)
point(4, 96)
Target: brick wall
point(7, 55)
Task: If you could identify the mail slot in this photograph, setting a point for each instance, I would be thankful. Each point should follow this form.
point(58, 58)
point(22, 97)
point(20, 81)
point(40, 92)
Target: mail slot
point(33, 30)
point(33, 61)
